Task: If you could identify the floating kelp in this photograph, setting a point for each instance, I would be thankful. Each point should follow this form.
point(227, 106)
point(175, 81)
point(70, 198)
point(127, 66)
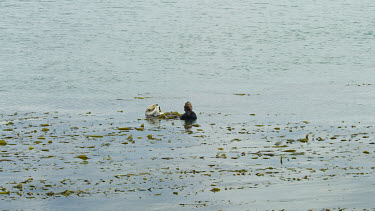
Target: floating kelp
point(130, 138)
point(83, 157)
point(161, 159)
point(95, 136)
point(215, 190)
point(170, 115)
point(141, 98)
point(125, 128)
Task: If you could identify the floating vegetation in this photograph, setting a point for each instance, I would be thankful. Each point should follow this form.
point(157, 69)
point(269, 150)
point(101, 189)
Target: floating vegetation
point(96, 136)
point(3, 143)
point(170, 115)
point(141, 98)
point(125, 128)
point(83, 157)
point(150, 137)
point(130, 138)
point(215, 190)
point(173, 161)
point(5, 192)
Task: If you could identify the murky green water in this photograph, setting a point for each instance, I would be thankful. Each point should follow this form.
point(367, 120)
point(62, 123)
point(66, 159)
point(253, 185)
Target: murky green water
point(283, 91)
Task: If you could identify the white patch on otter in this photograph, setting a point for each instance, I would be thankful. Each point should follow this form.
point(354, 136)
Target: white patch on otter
point(153, 111)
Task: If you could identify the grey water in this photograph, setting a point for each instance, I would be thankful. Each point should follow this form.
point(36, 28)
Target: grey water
point(307, 58)
point(284, 61)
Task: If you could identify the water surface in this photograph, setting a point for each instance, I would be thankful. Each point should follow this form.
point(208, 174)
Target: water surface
point(90, 67)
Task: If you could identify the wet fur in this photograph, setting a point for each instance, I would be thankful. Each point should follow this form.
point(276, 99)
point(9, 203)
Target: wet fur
point(153, 111)
point(189, 114)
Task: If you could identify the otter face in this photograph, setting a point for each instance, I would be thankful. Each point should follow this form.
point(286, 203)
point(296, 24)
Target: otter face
point(188, 107)
point(153, 111)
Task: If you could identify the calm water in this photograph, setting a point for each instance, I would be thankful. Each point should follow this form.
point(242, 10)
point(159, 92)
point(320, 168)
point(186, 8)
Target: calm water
point(309, 60)
point(301, 57)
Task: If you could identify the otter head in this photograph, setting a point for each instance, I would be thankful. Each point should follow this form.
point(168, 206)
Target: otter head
point(188, 107)
point(153, 111)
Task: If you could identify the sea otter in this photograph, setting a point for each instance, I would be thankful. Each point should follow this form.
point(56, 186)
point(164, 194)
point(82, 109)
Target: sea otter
point(189, 115)
point(153, 111)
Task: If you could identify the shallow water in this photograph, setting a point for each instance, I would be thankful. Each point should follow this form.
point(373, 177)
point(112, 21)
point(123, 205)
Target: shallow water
point(73, 73)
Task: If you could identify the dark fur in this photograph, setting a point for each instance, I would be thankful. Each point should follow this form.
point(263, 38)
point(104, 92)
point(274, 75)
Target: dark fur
point(189, 115)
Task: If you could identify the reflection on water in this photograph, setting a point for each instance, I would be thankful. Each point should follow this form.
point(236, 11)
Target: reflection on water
point(154, 121)
point(188, 125)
